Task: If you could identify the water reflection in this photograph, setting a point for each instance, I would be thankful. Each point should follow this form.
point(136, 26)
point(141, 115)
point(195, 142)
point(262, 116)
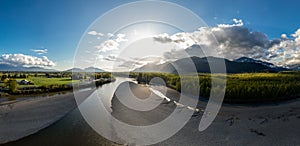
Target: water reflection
point(72, 129)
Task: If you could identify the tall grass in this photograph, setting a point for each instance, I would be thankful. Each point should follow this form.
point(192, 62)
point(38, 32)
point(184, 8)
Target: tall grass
point(244, 87)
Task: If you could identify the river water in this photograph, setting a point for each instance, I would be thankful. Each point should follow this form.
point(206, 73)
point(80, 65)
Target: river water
point(235, 125)
point(72, 130)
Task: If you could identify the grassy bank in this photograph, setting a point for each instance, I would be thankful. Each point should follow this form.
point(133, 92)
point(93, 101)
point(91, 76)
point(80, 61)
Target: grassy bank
point(28, 84)
point(247, 87)
point(42, 81)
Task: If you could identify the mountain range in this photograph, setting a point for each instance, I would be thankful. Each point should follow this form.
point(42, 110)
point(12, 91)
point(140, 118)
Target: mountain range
point(295, 67)
point(89, 69)
point(6, 67)
point(241, 65)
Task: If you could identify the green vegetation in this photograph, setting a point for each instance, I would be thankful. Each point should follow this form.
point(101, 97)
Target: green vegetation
point(12, 86)
point(42, 81)
point(25, 83)
point(263, 86)
point(247, 87)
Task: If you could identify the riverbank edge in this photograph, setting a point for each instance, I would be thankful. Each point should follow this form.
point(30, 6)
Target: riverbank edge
point(49, 122)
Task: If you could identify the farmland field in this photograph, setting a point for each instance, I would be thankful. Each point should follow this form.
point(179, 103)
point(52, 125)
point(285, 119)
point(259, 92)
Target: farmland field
point(42, 81)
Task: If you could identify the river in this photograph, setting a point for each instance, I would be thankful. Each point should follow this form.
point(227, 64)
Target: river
point(72, 129)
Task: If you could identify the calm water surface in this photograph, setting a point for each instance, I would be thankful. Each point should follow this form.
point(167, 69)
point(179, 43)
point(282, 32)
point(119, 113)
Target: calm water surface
point(72, 130)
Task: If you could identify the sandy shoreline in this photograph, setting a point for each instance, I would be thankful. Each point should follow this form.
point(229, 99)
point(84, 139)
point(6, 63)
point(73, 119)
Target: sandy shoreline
point(234, 124)
point(26, 117)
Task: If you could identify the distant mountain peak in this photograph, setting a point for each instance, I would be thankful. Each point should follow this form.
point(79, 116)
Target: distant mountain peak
point(294, 67)
point(241, 65)
point(251, 60)
point(74, 70)
point(93, 69)
point(247, 59)
point(7, 67)
point(88, 69)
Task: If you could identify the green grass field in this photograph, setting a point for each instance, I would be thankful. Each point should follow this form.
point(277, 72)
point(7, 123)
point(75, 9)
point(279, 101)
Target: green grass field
point(42, 81)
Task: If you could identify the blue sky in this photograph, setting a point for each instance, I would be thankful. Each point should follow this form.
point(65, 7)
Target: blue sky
point(57, 26)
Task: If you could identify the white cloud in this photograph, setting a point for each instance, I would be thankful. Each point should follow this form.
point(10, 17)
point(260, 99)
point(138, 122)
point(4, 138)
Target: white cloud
point(237, 22)
point(115, 58)
point(110, 35)
point(25, 60)
point(287, 52)
point(111, 44)
point(184, 40)
point(40, 51)
point(111, 57)
point(296, 35)
point(130, 64)
point(149, 59)
point(108, 45)
point(121, 38)
point(95, 33)
point(234, 41)
point(284, 36)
